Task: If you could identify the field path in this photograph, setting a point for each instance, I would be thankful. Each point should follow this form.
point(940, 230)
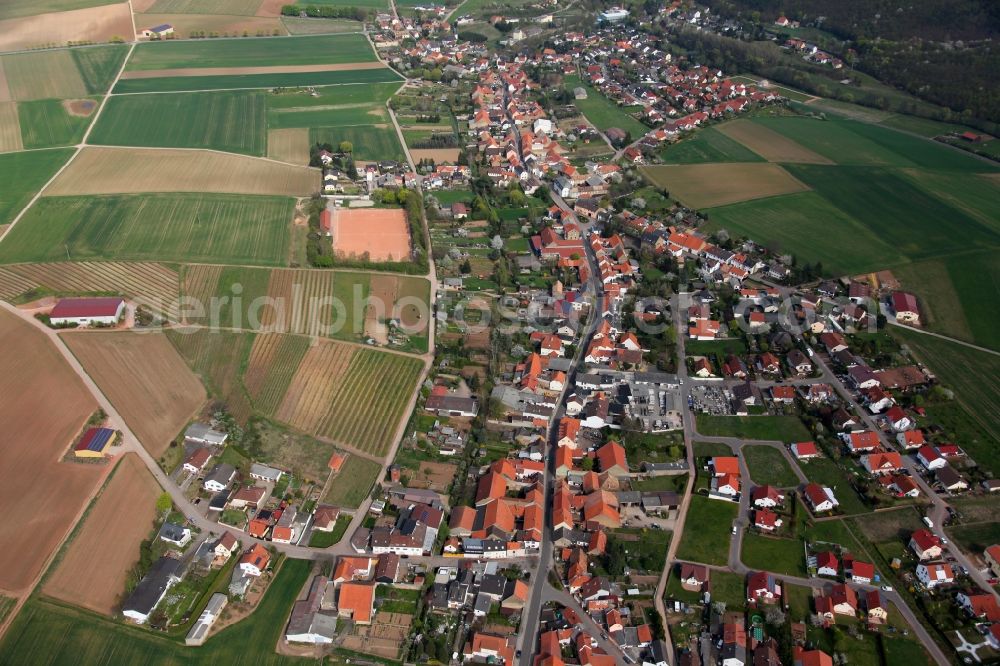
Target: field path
point(80, 146)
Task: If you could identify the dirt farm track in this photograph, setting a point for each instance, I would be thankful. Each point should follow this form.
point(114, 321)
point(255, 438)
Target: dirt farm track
point(43, 409)
point(93, 571)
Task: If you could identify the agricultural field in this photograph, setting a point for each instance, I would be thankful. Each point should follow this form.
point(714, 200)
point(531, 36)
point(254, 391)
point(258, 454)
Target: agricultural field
point(274, 359)
point(312, 26)
point(771, 145)
point(291, 51)
point(355, 397)
point(98, 170)
point(96, 562)
point(234, 7)
point(288, 145)
point(351, 485)
point(18, 8)
point(43, 75)
point(768, 466)
point(336, 115)
point(976, 195)
point(709, 185)
point(361, 73)
point(374, 94)
point(46, 123)
point(171, 227)
point(144, 378)
point(34, 377)
point(23, 174)
point(777, 428)
point(709, 144)
point(710, 544)
point(63, 23)
point(50, 632)
point(197, 25)
point(371, 142)
point(10, 128)
point(218, 358)
point(154, 285)
point(236, 121)
point(601, 111)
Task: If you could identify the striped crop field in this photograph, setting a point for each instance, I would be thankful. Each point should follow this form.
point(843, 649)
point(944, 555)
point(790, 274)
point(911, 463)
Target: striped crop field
point(274, 359)
point(155, 285)
point(217, 356)
point(354, 396)
point(13, 285)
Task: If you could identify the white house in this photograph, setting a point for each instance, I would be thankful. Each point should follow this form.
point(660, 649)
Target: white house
point(820, 498)
point(933, 574)
point(930, 458)
point(265, 473)
point(219, 478)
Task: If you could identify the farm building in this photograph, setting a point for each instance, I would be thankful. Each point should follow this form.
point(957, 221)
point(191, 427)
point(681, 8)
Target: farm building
point(265, 473)
point(308, 623)
point(207, 618)
point(87, 311)
point(199, 433)
point(151, 589)
point(95, 443)
point(157, 31)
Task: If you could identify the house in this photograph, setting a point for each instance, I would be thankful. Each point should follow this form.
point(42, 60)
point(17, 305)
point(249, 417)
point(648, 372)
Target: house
point(444, 404)
point(827, 564)
point(158, 31)
point(860, 572)
point(766, 520)
point(265, 473)
point(490, 649)
point(804, 450)
point(904, 305)
point(611, 459)
point(255, 560)
point(249, 496)
point(911, 439)
point(802, 657)
point(783, 394)
point(979, 604)
point(930, 458)
point(308, 623)
point(199, 433)
point(992, 557)
point(843, 599)
point(925, 545)
point(861, 442)
point(199, 632)
point(224, 548)
point(221, 476)
point(799, 363)
point(694, 577)
point(325, 518)
point(105, 311)
point(724, 465)
point(356, 601)
point(176, 534)
point(763, 586)
point(951, 480)
point(820, 498)
point(95, 443)
point(876, 607)
point(766, 497)
point(164, 573)
point(898, 419)
point(935, 574)
point(882, 463)
point(197, 460)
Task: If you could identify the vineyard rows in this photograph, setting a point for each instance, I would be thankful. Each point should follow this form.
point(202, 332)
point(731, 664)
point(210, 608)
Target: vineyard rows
point(274, 360)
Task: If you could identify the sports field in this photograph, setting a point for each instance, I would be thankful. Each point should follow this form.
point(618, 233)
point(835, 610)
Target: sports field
point(306, 50)
point(53, 633)
point(34, 378)
point(227, 121)
point(169, 227)
point(708, 145)
point(381, 234)
point(145, 379)
point(289, 79)
point(96, 563)
point(709, 185)
point(22, 175)
point(355, 397)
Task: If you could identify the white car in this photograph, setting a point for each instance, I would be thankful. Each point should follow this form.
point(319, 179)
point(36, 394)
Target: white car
point(887, 588)
point(734, 529)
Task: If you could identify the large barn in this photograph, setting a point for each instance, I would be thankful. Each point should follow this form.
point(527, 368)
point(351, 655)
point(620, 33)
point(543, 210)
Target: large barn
point(86, 311)
point(95, 443)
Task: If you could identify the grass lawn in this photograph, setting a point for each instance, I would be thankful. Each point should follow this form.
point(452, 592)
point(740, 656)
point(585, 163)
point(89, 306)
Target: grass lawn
point(449, 197)
point(799, 599)
point(730, 588)
point(307, 50)
point(327, 539)
point(603, 112)
point(53, 633)
point(674, 482)
point(710, 522)
point(351, 486)
point(780, 428)
point(783, 556)
point(676, 591)
point(711, 449)
point(229, 121)
point(832, 531)
point(371, 142)
point(826, 472)
point(768, 466)
point(709, 347)
point(976, 538)
point(899, 650)
point(23, 174)
point(708, 145)
point(166, 227)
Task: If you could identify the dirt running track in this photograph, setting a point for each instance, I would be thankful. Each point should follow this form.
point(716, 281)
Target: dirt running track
point(43, 407)
point(95, 567)
point(144, 378)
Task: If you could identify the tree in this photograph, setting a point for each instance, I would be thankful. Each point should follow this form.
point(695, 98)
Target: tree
point(587, 464)
point(164, 503)
point(497, 242)
point(775, 616)
point(346, 147)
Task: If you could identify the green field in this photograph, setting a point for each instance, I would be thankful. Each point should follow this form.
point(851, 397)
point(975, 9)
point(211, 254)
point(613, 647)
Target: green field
point(229, 121)
point(218, 358)
point(326, 539)
point(826, 472)
point(270, 80)
point(729, 588)
point(52, 633)
point(46, 123)
point(229, 7)
point(218, 228)
point(263, 52)
point(373, 4)
point(768, 466)
point(23, 174)
point(709, 541)
point(375, 93)
point(782, 556)
point(708, 145)
point(972, 417)
point(922, 126)
point(801, 224)
point(602, 112)
point(98, 65)
point(17, 8)
point(976, 195)
point(312, 26)
point(371, 142)
point(778, 428)
point(351, 486)
point(347, 115)
point(976, 538)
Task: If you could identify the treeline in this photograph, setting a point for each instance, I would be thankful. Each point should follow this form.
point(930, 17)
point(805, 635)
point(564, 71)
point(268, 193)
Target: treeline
point(326, 11)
